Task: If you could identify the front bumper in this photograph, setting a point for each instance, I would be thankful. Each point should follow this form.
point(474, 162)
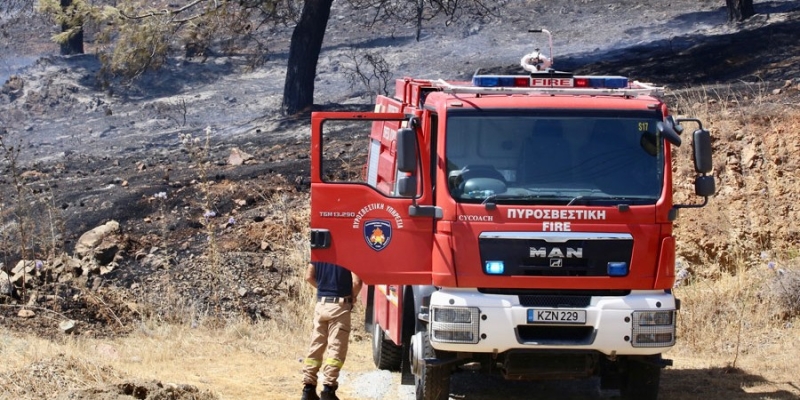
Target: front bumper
point(640, 323)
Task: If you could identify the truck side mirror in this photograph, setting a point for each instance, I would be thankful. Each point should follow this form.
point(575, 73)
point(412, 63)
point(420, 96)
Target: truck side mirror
point(704, 185)
point(674, 124)
point(668, 132)
point(407, 151)
point(407, 185)
point(702, 151)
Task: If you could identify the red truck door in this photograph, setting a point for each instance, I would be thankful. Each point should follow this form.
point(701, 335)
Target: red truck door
point(357, 219)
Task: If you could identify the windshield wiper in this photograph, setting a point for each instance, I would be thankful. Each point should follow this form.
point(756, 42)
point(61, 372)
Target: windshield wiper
point(491, 201)
point(586, 198)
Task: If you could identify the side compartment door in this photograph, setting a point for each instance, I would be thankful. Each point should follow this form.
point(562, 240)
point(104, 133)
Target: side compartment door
point(358, 220)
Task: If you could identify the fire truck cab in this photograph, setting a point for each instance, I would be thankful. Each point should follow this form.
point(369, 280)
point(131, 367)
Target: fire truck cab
point(514, 224)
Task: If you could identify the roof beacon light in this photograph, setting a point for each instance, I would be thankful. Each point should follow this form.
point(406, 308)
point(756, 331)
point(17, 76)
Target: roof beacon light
point(601, 82)
point(541, 78)
point(501, 81)
point(536, 61)
point(545, 80)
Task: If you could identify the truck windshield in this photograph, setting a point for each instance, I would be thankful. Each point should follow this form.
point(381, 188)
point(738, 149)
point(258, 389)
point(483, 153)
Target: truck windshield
point(545, 159)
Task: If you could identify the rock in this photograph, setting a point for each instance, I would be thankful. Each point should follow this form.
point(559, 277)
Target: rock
point(25, 313)
point(21, 277)
point(238, 157)
point(242, 292)
point(33, 298)
point(99, 243)
point(5, 284)
point(67, 326)
point(28, 266)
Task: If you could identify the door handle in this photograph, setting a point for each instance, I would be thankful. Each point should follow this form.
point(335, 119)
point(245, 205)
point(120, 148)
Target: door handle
point(320, 238)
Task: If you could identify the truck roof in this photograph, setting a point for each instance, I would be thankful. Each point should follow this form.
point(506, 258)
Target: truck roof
point(548, 89)
point(541, 100)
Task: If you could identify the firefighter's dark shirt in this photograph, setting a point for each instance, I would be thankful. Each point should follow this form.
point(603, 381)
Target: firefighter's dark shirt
point(333, 280)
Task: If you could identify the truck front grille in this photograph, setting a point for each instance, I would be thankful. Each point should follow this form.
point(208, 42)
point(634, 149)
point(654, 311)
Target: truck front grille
point(555, 335)
point(555, 253)
point(555, 301)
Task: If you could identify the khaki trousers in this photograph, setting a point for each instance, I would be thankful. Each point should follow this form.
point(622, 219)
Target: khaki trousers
point(331, 333)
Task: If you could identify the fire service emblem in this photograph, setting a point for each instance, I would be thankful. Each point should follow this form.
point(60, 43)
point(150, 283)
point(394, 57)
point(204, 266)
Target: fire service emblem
point(378, 234)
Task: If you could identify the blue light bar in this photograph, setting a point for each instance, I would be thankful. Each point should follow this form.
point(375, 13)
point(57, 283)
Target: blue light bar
point(500, 81)
point(561, 80)
point(617, 268)
point(602, 82)
point(494, 267)
point(615, 82)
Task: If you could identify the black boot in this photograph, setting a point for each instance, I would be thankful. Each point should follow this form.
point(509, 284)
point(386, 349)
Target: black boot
point(328, 393)
point(310, 393)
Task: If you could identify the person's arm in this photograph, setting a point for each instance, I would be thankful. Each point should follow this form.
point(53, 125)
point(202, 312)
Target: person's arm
point(356, 286)
point(311, 275)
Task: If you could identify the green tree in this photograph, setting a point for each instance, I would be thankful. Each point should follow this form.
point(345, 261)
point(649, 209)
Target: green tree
point(298, 93)
point(72, 28)
point(70, 15)
point(133, 37)
point(298, 89)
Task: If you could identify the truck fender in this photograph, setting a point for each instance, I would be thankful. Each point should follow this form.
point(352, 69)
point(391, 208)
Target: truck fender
point(368, 307)
point(422, 298)
point(414, 298)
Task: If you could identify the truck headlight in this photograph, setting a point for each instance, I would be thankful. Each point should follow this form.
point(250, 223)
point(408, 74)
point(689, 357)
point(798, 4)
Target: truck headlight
point(653, 328)
point(455, 324)
point(650, 318)
point(453, 315)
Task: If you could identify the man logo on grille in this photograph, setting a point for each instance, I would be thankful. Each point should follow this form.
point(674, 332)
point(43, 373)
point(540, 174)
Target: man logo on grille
point(556, 262)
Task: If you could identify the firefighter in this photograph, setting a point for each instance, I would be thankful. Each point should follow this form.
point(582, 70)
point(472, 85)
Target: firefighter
point(337, 290)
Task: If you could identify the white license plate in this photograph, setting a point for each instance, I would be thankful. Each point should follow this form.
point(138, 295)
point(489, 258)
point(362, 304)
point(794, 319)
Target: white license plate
point(554, 316)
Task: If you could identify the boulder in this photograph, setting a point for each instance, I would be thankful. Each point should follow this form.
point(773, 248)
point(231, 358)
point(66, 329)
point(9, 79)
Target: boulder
point(99, 243)
point(67, 326)
point(5, 284)
point(238, 157)
point(27, 266)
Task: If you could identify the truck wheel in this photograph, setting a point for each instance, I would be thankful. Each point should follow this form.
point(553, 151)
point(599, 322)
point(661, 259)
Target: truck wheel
point(385, 353)
point(433, 382)
point(640, 381)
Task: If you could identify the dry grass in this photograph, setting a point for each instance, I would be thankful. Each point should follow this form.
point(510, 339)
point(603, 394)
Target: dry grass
point(240, 361)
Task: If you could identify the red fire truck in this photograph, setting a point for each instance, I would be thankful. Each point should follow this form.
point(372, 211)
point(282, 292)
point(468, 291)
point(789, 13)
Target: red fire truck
point(517, 224)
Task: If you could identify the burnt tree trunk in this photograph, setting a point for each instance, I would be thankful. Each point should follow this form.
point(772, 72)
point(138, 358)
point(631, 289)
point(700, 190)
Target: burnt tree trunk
point(298, 91)
point(740, 10)
point(73, 45)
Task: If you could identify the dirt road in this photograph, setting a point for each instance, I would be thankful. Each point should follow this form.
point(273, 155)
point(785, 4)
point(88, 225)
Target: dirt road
point(691, 378)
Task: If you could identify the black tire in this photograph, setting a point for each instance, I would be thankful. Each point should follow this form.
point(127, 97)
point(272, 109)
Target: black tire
point(434, 381)
point(385, 353)
point(640, 380)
